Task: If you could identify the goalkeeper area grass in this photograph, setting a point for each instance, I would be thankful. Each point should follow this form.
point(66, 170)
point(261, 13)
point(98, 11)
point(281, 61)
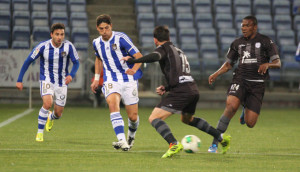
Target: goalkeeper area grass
point(81, 141)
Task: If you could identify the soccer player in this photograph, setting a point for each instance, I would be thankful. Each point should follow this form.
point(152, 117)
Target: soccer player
point(120, 79)
point(255, 54)
point(183, 92)
point(55, 55)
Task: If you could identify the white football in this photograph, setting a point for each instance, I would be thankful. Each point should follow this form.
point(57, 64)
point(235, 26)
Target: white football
point(191, 143)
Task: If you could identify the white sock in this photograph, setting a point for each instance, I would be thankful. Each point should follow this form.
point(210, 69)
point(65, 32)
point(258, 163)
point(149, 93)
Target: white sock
point(118, 125)
point(132, 127)
point(43, 115)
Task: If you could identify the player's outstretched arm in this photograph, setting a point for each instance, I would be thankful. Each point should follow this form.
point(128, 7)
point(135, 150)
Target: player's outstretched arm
point(24, 68)
point(19, 85)
point(223, 69)
point(98, 68)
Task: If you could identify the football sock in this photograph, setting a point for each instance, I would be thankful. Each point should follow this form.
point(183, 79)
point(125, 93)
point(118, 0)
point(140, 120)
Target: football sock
point(203, 125)
point(222, 126)
point(163, 129)
point(43, 115)
point(52, 116)
point(118, 125)
point(132, 127)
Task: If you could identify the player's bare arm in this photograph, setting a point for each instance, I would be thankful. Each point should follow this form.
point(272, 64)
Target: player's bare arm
point(264, 67)
point(223, 69)
point(98, 68)
point(19, 85)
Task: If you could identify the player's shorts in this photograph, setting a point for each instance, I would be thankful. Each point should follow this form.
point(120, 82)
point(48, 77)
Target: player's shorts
point(127, 90)
point(59, 93)
point(250, 93)
point(181, 100)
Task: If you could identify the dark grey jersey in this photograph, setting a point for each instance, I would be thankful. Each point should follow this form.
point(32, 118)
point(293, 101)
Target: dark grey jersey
point(174, 64)
point(250, 54)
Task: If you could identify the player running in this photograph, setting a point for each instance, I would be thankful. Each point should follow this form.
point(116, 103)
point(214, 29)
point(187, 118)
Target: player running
point(120, 80)
point(183, 92)
point(253, 52)
point(55, 55)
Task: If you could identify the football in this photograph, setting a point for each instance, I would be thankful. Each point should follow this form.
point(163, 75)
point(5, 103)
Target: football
point(191, 143)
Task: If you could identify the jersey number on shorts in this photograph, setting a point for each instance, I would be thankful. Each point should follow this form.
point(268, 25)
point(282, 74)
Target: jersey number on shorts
point(45, 87)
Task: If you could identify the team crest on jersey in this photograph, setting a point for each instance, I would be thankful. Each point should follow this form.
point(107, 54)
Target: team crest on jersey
point(114, 46)
point(63, 54)
point(257, 45)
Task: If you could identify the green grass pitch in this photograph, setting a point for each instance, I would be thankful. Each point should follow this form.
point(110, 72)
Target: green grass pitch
point(81, 141)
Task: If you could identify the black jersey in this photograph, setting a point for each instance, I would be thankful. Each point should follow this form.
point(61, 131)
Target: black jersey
point(250, 54)
point(174, 64)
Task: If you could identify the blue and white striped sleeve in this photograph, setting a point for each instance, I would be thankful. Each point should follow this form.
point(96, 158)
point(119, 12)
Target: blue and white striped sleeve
point(126, 42)
point(95, 48)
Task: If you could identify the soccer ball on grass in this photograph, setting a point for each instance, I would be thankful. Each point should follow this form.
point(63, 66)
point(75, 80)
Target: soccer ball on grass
point(191, 143)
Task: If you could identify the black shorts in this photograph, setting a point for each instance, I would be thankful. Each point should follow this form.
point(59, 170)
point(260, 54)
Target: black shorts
point(250, 93)
point(181, 99)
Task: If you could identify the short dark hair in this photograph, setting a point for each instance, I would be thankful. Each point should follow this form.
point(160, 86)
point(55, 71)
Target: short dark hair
point(161, 33)
point(57, 26)
point(103, 18)
point(252, 18)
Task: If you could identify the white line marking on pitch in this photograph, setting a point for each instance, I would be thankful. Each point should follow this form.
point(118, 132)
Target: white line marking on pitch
point(12, 119)
point(144, 151)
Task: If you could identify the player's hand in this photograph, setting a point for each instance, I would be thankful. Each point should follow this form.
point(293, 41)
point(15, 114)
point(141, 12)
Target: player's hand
point(130, 71)
point(19, 85)
point(125, 59)
point(94, 85)
point(212, 78)
point(161, 90)
point(263, 68)
point(68, 79)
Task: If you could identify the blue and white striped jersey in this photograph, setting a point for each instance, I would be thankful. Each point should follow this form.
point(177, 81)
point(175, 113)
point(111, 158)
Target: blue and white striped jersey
point(110, 52)
point(54, 62)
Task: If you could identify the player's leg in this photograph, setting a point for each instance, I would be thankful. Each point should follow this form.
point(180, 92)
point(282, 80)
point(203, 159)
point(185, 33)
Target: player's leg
point(232, 105)
point(130, 99)
point(47, 92)
point(156, 119)
point(60, 102)
point(113, 101)
point(133, 122)
point(250, 118)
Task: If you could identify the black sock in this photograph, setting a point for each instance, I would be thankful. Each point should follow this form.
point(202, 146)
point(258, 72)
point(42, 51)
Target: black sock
point(222, 126)
point(163, 129)
point(203, 125)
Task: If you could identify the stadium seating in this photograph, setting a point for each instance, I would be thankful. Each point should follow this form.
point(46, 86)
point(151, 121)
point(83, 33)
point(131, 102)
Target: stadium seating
point(165, 19)
point(20, 5)
point(173, 35)
point(3, 44)
point(40, 33)
point(223, 21)
point(5, 5)
point(145, 20)
point(297, 22)
point(296, 7)
point(187, 36)
point(182, 6)
point(281, 7)
point(20, 45)
point(163, 6)
point(264, 21)
point(58, 5)
point(21, 33)
point(222, 6)
point(39, 5)
point(262, 7)
point(282, 22)
point(39, 18)
point(286, 37)
point(77, 5)
point(203, 20)
point(269, 32)
point(5, 35)
point(21, 18)
point(238, 20)
point(143, 6)
point(184, 20)
point(207, 36)
point(78, 19)
point(287, 53)
point(242, 7)
point(5, 18)
point(202, 6)
point(59, 17)
point(209, 59)
point(80, 34)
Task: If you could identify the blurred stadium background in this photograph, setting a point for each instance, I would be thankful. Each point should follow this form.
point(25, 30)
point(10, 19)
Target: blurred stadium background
point(203, 29)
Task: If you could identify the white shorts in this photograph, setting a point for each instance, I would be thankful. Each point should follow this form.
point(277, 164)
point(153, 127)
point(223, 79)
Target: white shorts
point(127, 90)
point(60, 93)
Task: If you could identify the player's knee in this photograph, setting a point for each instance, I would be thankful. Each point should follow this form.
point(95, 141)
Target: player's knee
point(47, 105)
point(250, 124)
point(185, 119)
point(133, 117)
